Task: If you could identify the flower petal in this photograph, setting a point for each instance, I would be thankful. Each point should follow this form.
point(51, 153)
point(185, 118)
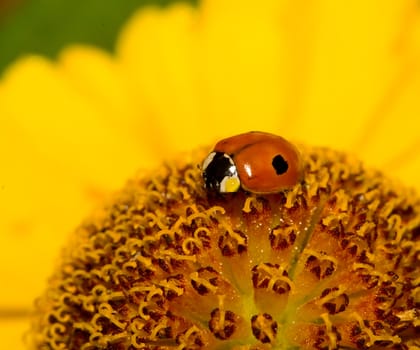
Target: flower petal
point(407, 167)
point(156, 51)
point(11, 333)
point(244, 64)
point(98, 78)
point(355, 62)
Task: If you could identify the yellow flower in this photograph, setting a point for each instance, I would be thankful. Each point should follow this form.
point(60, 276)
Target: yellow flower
point(323, 72)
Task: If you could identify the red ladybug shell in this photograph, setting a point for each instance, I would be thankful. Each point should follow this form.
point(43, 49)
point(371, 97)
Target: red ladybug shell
point(253, 154)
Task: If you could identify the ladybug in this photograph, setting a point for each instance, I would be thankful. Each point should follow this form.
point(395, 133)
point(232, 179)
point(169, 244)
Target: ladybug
point(255, 161)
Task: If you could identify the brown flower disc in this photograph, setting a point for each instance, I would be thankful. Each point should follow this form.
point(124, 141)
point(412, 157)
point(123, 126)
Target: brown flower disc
point(330, 263)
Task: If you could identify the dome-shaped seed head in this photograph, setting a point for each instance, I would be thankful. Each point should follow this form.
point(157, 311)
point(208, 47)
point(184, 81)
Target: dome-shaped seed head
point(331, 263)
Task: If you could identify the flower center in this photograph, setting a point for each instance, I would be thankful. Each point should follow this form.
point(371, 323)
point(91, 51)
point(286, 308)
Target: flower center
point(328, 263)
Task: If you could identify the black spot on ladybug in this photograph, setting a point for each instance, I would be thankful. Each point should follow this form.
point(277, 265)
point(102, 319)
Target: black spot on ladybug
point(279, 164)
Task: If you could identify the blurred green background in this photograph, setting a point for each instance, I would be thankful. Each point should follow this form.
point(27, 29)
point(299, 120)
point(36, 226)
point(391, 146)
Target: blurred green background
point(45, 26)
